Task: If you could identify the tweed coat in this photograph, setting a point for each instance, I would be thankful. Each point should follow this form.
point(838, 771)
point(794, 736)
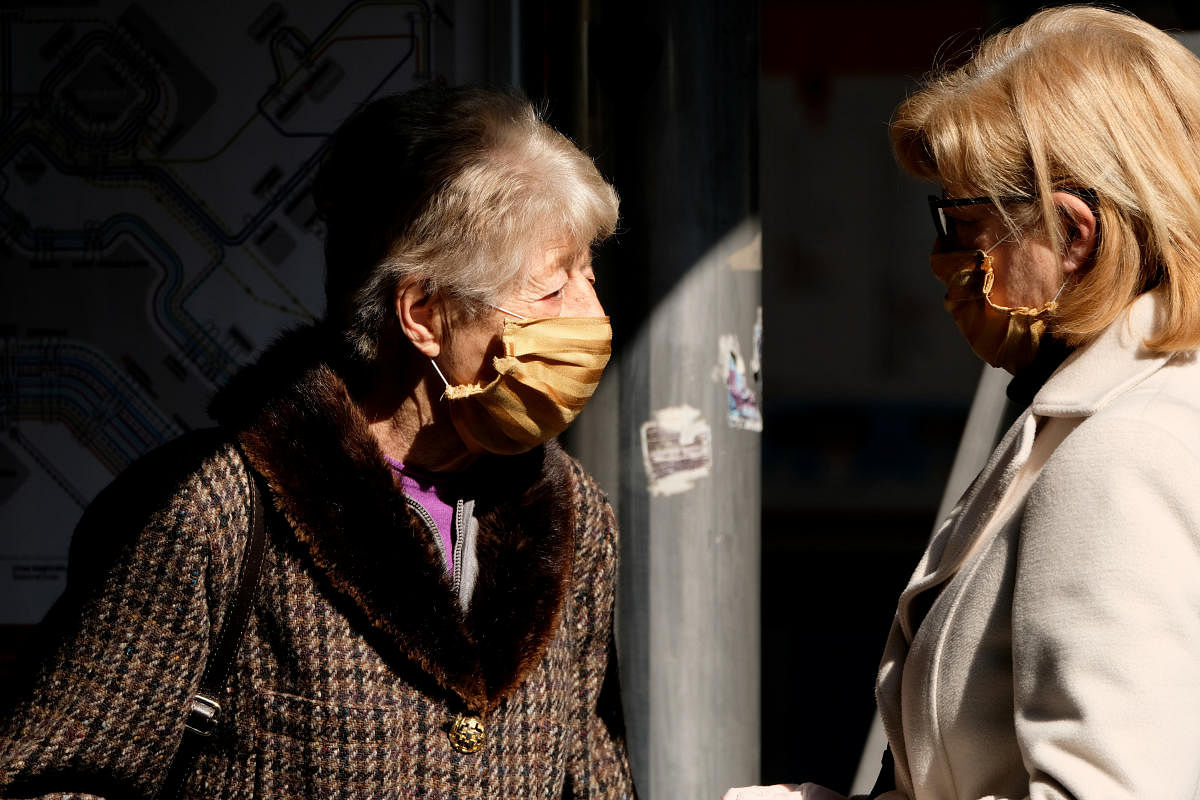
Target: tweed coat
point(1059, 652)
point(357, 655)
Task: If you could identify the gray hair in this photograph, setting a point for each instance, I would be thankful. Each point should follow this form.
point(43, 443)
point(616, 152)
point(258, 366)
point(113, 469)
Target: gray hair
point(459, 188)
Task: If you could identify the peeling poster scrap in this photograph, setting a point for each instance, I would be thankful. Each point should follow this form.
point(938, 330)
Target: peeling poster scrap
point(748, 257)
point(756, 354)
point(676, 449)
point(743, 404)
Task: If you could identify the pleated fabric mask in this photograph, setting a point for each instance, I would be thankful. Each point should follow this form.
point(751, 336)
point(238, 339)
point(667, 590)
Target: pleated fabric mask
point(1004, 336)
point(548, 372)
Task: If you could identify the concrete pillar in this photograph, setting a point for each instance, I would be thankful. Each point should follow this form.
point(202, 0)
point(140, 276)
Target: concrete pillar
point(671, 117)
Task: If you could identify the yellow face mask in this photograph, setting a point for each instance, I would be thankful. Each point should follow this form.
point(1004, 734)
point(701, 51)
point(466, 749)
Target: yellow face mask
point(549, 370)
point(1003, 336)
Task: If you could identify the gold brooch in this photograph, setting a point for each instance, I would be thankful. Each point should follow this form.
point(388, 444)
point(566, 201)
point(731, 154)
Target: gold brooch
point(466, 733)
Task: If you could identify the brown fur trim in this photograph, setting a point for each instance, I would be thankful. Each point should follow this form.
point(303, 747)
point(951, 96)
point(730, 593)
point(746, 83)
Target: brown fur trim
point(519, 530)
point(301, 430)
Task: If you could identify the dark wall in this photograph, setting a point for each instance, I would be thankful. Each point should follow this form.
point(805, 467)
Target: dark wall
point(867, 380)
point(157, 228)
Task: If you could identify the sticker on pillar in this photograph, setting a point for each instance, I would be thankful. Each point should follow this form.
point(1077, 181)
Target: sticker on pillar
point(756, 352)
point(676, 450)
point(743, 404)
point(748, 257)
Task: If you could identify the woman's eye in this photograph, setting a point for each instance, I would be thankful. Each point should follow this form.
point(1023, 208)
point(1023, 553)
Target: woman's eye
point(556, 294)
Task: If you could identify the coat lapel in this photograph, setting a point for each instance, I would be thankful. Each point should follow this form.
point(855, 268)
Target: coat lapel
point(303, 433)
point(950, 546)
point(957, 535)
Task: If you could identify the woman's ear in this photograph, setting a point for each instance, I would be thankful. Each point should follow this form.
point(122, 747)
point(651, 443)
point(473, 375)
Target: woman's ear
point(1082, 228)
point(420, 315)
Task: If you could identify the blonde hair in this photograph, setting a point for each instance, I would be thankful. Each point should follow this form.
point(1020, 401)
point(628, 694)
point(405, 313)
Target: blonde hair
point(1085, 98)
point(459, 188)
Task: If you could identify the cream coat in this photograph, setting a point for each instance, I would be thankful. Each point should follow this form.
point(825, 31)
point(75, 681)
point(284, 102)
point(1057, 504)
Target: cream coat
point(1060, 655)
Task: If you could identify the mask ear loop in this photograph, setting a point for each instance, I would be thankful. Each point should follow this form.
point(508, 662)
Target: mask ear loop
point(983, 261)
point(506, 311)
point(443, 377)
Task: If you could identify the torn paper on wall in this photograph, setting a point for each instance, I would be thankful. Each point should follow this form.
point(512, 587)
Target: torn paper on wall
point(756, 351)
point(748, 257)
point(744, 413)
point(676, 450)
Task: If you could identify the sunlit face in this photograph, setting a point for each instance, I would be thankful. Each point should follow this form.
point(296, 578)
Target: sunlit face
point(560, 284)
point(1028, 273)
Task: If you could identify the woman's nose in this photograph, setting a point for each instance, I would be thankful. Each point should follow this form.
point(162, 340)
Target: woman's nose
point(580, 300)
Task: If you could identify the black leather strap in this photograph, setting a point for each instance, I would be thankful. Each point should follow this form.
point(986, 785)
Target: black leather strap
point(205, 710)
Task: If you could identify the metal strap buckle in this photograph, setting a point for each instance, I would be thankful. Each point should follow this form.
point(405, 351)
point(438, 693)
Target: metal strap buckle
point(202, 719)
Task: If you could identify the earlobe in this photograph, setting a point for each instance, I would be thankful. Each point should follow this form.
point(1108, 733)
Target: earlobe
point(419, 315)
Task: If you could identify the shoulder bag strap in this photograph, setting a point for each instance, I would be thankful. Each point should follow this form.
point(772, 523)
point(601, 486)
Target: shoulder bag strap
point(205, 709)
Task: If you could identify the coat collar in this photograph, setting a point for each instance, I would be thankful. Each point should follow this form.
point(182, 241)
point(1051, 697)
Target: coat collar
point(301, 430)
point(1105, 368)
point(1089, 378)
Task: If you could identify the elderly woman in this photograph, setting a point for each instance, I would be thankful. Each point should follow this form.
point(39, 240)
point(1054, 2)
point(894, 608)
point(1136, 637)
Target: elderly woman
point(1048, 644)
point(432, 615)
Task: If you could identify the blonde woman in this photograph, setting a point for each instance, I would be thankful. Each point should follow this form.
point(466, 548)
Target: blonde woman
point(1048, 644)
point(434, 612)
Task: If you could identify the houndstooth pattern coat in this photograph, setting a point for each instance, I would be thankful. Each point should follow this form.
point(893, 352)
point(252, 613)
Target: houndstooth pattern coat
point(357, 657)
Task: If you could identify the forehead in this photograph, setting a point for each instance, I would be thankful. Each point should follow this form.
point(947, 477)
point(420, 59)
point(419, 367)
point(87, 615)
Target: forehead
point(558, 255)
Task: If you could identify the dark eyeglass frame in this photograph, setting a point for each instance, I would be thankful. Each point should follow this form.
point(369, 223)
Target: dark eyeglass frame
point(945, 225)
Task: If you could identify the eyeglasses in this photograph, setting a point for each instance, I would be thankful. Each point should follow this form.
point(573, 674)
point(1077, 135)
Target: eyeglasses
point(944, 225)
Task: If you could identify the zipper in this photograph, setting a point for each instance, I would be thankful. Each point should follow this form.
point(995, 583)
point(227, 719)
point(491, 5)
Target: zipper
point(459, 536)
point(429, 523)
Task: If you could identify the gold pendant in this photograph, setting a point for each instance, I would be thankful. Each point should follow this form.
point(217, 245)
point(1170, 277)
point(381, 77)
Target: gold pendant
point(467, 734)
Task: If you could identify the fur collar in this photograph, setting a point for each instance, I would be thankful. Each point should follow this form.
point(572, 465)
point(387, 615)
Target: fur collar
point(300, 429)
